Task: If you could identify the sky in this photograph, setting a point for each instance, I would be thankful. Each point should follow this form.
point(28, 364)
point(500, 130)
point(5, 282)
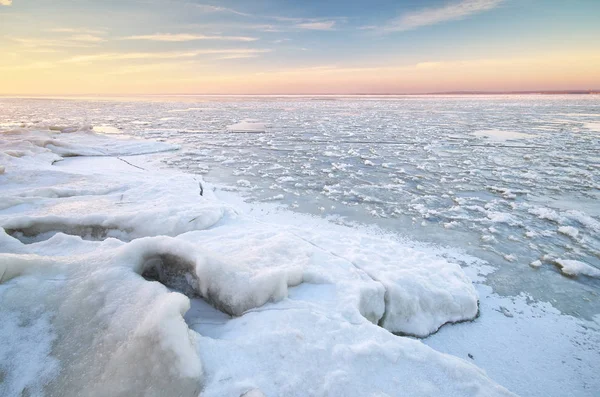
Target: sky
point(121, 47)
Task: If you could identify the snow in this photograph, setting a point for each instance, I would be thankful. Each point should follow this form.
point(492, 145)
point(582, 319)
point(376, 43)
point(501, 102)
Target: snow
point(100, 258)
point(536, 263)
point(594, 126)
point(501, 135)
point(526, 343)
point(106, 129)
point(25, 353)
point(569, 231)
point(501, 201)
point(571, 267)
point(247, 126)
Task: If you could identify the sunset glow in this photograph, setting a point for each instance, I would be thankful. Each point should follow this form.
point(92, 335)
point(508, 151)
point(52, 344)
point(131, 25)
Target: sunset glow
point(63, 47)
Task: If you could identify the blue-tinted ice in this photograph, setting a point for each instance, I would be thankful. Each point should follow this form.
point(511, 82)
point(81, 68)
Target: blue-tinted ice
point(511, 179)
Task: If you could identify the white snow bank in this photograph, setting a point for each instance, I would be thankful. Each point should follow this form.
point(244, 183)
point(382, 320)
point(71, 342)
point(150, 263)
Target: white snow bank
point(111, 332)
point(232, 286)
point(285, 255)
point(82, 143)
point(298, 348)
point(423, 291)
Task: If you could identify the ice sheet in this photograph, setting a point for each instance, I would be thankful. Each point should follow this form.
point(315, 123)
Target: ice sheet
point(99, 258)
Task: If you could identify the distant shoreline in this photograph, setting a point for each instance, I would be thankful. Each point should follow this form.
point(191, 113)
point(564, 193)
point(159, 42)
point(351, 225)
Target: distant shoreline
point(454, 93)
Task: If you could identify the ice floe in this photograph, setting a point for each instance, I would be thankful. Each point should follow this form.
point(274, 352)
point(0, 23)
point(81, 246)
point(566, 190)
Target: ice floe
point(501, 135)
point(247, 126)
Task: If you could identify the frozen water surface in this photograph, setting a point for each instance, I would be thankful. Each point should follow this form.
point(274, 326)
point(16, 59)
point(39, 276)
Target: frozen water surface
point(514, 180)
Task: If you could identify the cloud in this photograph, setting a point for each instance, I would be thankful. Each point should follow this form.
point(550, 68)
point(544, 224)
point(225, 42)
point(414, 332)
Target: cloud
point(77, 30)
point(186, 37)
point(116, 56)
point(52, 43)
point(431, 16)
point(323, 25)
point(64, 38)
point(211, 8)
point(238, 56)
point(297, 23)
point(5, 2)
point(87, 38)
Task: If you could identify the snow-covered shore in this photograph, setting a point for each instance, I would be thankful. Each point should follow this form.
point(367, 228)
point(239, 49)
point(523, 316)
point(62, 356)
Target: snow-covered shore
point(118, 277)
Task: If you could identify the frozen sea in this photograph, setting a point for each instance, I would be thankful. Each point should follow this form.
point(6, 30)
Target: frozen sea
point(513, 180)
point(327, 240)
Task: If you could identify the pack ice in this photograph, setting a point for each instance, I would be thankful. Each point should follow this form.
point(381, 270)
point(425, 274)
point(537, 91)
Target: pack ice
point(119, 278)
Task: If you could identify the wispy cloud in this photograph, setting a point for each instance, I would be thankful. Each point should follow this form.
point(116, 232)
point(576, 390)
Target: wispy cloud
point(5, 2)
point(237, 56)
point(77, 30)
point(53, 43)
point(322, 25)
point(87, 38)
point(211, 8)
point(288, 22)
point(431, 16)
point(180, 37)
point(115, 56)
point(61, 38)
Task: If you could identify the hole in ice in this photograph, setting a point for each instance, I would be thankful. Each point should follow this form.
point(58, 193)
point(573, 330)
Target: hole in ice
point(39, 232)
point(174, 272)
point(178, 274)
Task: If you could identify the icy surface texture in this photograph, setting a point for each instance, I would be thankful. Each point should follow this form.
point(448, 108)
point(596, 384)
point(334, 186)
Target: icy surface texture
point(102, 257)
point(511, 179)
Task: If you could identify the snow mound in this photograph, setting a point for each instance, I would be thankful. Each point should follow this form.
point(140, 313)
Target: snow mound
point(133, 330)
point(233, 286)
point(569, 231)
point(422, 291)
point(571, 267)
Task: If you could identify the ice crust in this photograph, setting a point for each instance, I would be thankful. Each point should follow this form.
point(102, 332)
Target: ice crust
point(572, 267)
point(247, 126)
point(99, 259)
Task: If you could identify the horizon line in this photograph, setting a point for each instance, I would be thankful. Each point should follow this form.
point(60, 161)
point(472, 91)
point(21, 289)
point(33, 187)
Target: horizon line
point(460, 92)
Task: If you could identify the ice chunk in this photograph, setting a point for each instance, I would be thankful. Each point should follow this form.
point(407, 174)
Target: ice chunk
point(536, 263)
point(569, 231)
point(572, 267)
point(423, 291)
point(247, 126)
point(231, 286)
